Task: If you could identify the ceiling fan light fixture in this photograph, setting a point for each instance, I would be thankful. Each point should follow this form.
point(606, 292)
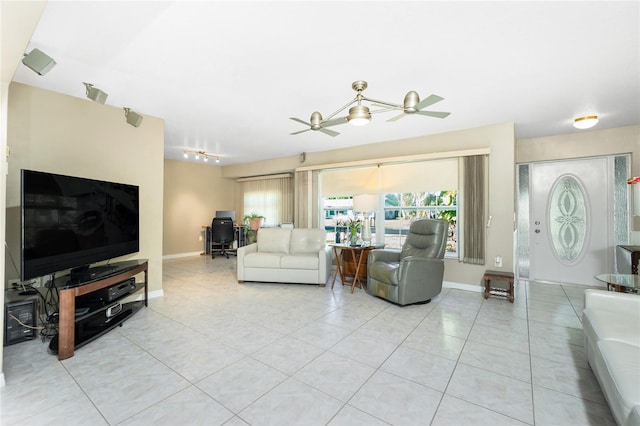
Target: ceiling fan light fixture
point(585, 122)
point(359, 115)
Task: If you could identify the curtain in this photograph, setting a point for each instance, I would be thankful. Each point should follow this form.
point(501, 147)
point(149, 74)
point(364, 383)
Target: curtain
point(269, 197)
point(473, 201)
point(303, 198)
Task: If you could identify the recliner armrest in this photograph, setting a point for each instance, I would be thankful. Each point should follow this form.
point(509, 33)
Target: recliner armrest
point(416, 268)
point(384, 255)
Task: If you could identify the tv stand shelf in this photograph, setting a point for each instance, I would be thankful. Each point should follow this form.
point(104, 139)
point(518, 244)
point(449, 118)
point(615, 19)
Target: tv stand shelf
point(75, 332)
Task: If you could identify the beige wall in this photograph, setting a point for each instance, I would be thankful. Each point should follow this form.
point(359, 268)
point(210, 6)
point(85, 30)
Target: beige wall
point(621, 140)
point(498, 138)
point(61, 134)
point(192, 194)
point(17, 22)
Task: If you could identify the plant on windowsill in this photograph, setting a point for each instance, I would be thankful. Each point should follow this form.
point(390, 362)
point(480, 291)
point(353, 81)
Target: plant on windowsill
point(253, 221)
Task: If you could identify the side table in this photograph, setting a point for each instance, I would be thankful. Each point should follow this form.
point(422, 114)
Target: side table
point(494, 291)
point(622, 283)
point(342, 252)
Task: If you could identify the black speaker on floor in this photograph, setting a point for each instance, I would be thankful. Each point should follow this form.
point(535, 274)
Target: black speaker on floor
point(20, 319)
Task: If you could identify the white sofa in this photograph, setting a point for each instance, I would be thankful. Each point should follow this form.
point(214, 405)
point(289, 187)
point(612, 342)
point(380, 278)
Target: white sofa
point(287, 256)
point(611, 323)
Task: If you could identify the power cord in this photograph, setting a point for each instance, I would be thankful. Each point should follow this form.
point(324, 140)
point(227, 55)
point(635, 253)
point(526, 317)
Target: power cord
point(16, 319)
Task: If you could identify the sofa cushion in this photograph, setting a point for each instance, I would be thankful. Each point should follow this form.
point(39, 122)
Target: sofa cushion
point(274, 240)
point(307, 240)
point(300, 261)
point(262, 260)
point(601, 324)
point(620, 361)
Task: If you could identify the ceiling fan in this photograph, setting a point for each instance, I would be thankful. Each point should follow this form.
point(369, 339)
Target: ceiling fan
point(360, 114)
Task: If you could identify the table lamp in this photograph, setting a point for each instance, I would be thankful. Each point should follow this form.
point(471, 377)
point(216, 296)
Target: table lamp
point(365, 204)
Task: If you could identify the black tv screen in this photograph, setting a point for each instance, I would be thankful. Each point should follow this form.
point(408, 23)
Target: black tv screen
point(72, 222)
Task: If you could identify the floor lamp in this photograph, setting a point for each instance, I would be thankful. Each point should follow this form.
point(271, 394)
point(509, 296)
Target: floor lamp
point(365, 204)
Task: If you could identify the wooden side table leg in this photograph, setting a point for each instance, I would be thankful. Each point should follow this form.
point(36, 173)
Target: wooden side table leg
point(356, 279)
point(486, 287)
point(338, 268)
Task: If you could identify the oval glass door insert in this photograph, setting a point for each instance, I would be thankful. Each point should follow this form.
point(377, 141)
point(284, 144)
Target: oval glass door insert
point(567, 219)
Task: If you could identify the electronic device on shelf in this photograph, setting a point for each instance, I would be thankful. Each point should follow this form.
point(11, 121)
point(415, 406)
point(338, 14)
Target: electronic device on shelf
point(20, 318)
point(108, 294)
point(72, 222)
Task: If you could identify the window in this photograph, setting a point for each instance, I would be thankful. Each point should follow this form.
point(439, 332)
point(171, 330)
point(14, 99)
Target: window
point(400, 209)
point(411, 190)
point(269, 197)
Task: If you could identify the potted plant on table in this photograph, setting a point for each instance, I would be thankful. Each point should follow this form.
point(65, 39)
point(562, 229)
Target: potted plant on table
point(253, 221)
point(352, 224)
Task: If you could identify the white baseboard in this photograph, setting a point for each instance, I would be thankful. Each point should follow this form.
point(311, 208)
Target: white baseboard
point(460, 286)
point(179, 255)
point(152, 295)
point(2, 382)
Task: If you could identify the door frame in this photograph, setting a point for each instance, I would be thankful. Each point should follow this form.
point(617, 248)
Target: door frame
point(618, 223)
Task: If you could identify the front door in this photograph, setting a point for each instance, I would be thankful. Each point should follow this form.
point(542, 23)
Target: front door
point(571, 241)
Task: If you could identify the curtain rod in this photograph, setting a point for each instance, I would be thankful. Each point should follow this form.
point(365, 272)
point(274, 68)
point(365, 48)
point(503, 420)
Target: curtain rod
point(399, 159)
point(278, 176)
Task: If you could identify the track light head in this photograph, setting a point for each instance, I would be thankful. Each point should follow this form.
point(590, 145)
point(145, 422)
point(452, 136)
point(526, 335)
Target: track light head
point(95, 94)
point(133, 117)
point(38, 62)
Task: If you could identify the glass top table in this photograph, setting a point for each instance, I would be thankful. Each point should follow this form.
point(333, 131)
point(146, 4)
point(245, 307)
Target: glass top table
point(628, 283)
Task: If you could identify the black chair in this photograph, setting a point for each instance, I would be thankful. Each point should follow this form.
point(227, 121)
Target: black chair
point(221, 235)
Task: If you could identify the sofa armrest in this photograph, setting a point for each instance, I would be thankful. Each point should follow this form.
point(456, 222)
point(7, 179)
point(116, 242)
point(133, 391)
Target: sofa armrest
point(241, 252)
point(325, 256)
point(620, 303)
point(383, 255)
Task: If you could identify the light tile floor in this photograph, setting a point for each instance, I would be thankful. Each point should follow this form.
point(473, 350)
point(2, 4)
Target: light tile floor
point(214, 352)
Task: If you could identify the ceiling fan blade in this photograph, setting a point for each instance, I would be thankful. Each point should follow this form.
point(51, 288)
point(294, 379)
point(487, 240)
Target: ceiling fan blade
point(334, 122)
point(436, 114)
point(300, 121)
point(397, 117)
point(387, 107)
point(300, 131)
point(329, 132)
point(429, 100)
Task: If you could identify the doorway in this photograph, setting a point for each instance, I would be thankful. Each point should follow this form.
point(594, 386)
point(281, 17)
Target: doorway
point(571, 215)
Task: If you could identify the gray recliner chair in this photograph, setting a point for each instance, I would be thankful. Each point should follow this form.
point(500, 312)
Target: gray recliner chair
point(413, 274)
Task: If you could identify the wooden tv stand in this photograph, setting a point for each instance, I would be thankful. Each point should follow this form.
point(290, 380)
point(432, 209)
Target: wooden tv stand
point(66, 341)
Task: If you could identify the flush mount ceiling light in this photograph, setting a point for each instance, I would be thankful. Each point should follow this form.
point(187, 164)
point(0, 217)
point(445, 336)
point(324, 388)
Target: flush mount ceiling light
point(95, 94)
point(132, 117)
point(197, 154)
point(360, 114)
point(38, 62)
point(585, 122)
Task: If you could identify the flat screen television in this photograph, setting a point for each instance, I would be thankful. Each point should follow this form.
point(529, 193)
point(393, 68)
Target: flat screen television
point(70, 222)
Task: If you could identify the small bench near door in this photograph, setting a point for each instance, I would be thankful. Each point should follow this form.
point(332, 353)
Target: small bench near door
point(495, 291)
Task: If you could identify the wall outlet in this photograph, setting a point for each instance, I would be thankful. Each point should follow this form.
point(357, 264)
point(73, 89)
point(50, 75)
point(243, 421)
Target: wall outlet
point(498, 261)
point(199, 237)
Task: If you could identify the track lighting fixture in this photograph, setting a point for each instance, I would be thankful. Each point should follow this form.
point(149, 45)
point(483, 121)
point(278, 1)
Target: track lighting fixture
point(38, 62)
point(360, 114)
point(132, 117)
point(95, 94)
point(585, 122)
point(199, 153)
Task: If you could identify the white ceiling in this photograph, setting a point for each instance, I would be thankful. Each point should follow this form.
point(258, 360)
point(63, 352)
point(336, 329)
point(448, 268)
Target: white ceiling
point(227, 75)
